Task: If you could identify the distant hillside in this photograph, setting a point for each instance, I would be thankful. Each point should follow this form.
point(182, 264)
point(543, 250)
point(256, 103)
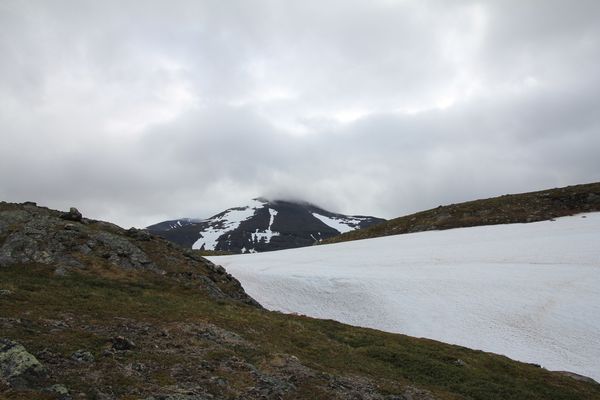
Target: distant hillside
point(261, 226)
point(506, 209)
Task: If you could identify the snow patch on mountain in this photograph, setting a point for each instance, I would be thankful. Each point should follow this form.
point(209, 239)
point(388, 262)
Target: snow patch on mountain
point(528, 291)
point(341, 225)
point(226, 222)
point(266, 235)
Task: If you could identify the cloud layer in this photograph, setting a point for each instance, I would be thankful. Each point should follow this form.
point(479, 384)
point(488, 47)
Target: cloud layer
point(142, 111)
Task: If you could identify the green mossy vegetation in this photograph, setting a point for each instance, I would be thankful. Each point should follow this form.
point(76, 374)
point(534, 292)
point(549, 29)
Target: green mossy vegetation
point(107, 297)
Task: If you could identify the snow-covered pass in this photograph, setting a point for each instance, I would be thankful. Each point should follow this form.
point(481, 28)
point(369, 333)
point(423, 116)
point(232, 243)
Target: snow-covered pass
point(528, 291)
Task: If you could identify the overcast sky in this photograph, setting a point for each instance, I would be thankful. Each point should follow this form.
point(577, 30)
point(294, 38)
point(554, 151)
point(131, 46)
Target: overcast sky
point(140, 111)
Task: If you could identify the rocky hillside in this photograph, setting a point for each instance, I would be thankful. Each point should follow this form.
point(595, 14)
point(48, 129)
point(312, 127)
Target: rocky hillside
point(261, 226)
point(507, 209)
point(68, 242)
point(92, 311)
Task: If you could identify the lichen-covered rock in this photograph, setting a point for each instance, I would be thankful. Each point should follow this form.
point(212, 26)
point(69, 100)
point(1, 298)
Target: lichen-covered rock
point(120, 251)
point(83, 356)
point(19, 368)
point(59, 391)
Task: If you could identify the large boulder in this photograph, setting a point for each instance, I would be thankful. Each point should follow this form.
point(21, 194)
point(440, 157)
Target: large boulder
point(19, 368)
point(72, 215)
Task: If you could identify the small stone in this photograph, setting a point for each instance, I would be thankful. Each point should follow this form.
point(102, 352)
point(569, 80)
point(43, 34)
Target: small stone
point(164, 333)
point(139, 367)
point(70, 227)
point(83, 356)
point(108, 352)
point(5, 292)
point(60, 390)
point(122, 343)
point(459, 363)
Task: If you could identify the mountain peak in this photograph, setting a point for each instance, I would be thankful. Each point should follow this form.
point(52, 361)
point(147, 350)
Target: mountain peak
point(261, 225)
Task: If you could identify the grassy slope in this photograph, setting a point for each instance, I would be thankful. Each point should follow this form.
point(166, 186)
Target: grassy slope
point(514, 208)
point(99, 302)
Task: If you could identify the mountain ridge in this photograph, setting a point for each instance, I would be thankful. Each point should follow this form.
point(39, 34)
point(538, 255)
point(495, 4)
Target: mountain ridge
point(506, 209)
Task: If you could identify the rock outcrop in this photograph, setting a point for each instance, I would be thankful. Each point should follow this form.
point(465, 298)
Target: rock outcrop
point(67, 241)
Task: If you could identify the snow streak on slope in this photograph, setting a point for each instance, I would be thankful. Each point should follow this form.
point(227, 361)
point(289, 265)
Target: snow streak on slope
point(265, 236)
point(226, 222)
point(342, 225)
point(529, 291)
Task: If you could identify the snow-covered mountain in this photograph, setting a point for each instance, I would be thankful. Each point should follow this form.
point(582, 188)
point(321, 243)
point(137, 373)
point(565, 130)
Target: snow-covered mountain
point(528, 291)
point(261, 225)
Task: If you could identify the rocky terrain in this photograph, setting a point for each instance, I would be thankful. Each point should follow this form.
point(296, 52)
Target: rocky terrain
point(92, 311)
point(261, 226)
point(508, 209)
point(67, 242)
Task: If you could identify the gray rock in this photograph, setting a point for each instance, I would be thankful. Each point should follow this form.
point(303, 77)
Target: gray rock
point(122, 343)
point(104, 396)
point(60, 390)
point(83, 356)
point(5, 292)
point(19, 368)
point(61, 271)
point(459, 363)
point(15, 216)
point(140, 234)
point(70, 227)
point(72, 215)
point(412, 393)
point(121, 252)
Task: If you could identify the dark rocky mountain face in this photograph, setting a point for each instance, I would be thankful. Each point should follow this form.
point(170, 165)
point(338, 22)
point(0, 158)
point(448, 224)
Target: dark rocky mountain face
point(261, 226)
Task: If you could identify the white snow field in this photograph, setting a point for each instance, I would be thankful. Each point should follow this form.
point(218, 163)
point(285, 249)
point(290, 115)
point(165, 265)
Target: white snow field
point(528, 291)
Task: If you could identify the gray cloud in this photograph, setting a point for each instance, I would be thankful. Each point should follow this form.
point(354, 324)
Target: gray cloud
point(142, 111)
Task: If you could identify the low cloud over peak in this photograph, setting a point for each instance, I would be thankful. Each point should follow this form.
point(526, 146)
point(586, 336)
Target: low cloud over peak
point(141, 112)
